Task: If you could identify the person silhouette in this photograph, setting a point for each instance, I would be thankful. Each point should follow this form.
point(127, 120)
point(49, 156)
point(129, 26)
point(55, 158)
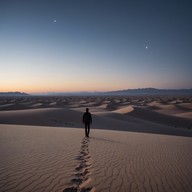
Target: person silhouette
point(87, 120)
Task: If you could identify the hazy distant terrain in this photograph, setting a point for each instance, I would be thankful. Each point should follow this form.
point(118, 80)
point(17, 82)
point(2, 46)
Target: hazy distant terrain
point(144, 91)
point(131, 92)
point(12, 94)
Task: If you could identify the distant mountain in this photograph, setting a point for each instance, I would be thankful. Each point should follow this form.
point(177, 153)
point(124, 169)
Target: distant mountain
point(152, 91)
point(127, 92)
point(12, 94)
point(131, 92)
point(65, 93)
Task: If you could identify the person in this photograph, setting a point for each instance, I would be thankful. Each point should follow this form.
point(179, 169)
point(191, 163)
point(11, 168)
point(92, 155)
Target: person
point(87, 120)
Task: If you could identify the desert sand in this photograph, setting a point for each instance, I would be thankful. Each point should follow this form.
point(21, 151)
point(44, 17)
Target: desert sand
point(136, 144)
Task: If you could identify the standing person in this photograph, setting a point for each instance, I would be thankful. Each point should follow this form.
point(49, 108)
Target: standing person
point(87, 120)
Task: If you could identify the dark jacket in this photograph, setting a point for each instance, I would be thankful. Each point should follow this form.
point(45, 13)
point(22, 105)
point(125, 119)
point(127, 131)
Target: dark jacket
point(87, 119)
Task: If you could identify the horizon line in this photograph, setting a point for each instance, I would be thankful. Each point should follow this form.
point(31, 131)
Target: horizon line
point(55, 92)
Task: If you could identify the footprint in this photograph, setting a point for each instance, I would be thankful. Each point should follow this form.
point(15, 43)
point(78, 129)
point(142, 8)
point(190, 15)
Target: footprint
point(77, 181)
point(74, 189)
point(80, 157)
point(87, 157)
point(81, 174)
point(71, 189)
point(84, 153)
point(79, 168)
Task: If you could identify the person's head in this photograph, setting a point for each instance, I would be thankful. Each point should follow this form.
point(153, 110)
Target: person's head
point(87, 109)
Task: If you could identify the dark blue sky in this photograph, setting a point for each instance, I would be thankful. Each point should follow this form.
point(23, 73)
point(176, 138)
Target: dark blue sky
point(74, 45)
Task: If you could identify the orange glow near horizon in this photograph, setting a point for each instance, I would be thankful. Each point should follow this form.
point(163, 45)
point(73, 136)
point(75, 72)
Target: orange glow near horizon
point(57, 88)
point(60, 83)
point(39, 86)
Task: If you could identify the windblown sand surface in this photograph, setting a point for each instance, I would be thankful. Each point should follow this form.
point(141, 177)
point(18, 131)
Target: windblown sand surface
point(150, 149)
point(37, 158)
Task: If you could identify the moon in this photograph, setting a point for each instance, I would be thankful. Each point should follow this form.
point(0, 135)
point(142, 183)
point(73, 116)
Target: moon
point(146, 47)
point(55, 21)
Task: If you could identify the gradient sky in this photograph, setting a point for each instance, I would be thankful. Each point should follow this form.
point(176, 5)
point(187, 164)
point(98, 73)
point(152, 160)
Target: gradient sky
point(95, 45)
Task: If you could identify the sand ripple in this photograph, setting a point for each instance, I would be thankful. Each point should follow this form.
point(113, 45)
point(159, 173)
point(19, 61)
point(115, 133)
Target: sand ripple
point(58, 159)
point(36, 159)
point(141, 162)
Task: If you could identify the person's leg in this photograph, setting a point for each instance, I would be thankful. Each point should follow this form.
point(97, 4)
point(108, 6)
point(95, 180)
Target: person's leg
point(88, 129)
point(85, 130)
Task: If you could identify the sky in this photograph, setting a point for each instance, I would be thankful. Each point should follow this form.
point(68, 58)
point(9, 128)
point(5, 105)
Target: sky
point(95, 45)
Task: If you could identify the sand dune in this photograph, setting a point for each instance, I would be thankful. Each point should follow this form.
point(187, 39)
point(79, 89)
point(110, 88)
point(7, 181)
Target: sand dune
point(124, 110)
point(42, 116)
point(153, 116)
point(134, 121)
point(136, 144)
point(60, 159)
point(187, 115)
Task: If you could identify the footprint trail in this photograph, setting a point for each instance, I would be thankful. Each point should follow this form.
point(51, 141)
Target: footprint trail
point(82, 180)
